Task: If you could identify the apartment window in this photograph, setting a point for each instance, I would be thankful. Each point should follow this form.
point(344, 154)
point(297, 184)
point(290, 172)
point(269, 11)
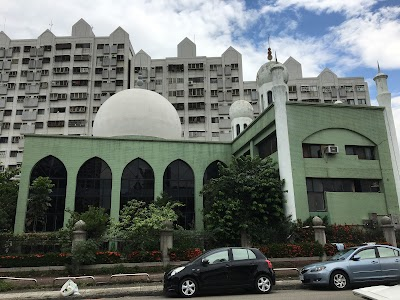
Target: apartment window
point(304, 88)
point(5, 125)
point(17, 125)
point(81, 57)
point(42, 98)
point(82, 45)
point(96, 109)
point(159, 69)
point(46, 60)
point(194, 134)
point(10, 99)
point(80, 70)
point(195, 120)
point(350, 101)
point(214, 67)
point(40, 112)
point(11, 86)
point(120, 46)
point(100, 46)
point(3, 140)
point(44, 85)
point(99, 70)
point(292, 89)
point(54, 110)
point(80, 82)
point(63, 46)
point(213, 80)
point(182, 119)
point(96, 96)
point(214, 106)
point(27, 48)
point(76, 123)
point(97, 83)
point(348, 88)
point(2, 154)
point(61, 58)
point(196, 105)
point(120, 70)
point(362, 102)
point(55, 123)
point(198, 92)
point(363, 152)
point(78, 96)
point(214, 120)
point(44, 72)
point(47, 48)
point(59, 83)
point(176, 68)
point(215, 134)
point(77, 109)
point(14, 61)
point(17, 49)
point(235, 92)
point(7, 112)
point(195, 66)
point(179, 106)
point(12, 73)
point(235, 79)
point(15, 139)
point(13, 153)
point(234, 66)
point(158, 81)
point(360, 88)
point(38, 125)
point(120, 57)
point(313, 150)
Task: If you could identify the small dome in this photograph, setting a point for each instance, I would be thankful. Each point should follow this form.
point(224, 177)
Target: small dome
point(137, 112)
point(241, 108)
point(264, 73)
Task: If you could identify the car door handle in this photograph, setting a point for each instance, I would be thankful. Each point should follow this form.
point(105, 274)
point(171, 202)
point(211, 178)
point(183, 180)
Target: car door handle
point(374, 262)
point(397, 260)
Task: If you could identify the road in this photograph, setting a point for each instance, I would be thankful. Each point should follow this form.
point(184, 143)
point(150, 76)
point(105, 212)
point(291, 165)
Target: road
point(275, 295)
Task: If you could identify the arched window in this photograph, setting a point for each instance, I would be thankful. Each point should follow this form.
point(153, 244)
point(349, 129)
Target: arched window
point(93, 185)
point(245, 126)
point(237, 129)
point(269, 96)
point(137, 182)
point(53, 168)
point(210, 173)
point(178, 183)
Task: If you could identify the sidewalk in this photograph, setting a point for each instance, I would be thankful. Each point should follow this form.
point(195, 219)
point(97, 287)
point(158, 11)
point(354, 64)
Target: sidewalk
point(109, 291)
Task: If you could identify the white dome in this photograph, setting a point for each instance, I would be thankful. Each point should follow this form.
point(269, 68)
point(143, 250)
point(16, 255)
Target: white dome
point(264, 73)
point(137, 112)
point(241, 108)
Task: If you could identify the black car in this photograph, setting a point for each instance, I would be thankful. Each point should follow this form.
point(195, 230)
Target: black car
point(222, 268)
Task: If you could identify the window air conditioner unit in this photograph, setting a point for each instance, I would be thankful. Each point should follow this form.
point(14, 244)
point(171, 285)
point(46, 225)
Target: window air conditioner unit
point(332, 149)
point(190, 82)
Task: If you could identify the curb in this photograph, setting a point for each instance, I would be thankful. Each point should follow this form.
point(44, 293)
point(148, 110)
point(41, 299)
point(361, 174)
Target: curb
point(115, 292)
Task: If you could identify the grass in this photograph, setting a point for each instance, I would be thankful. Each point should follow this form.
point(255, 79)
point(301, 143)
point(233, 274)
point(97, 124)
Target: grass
point(5, 286)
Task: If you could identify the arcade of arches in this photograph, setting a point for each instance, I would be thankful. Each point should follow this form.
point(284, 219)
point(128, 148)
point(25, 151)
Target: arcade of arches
point(94, 186)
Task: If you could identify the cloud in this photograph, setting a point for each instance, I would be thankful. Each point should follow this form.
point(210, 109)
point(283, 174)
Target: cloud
point(348, 7)
point(371, 37)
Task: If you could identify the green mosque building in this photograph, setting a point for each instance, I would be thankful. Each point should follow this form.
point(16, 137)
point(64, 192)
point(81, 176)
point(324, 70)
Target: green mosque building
point(337, 160)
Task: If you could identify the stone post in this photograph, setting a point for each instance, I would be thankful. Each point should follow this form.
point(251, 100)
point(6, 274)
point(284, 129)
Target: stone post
point(79, 233)
point(166, 241)
point(388, 230)
point(245, 239)
point(319, 232)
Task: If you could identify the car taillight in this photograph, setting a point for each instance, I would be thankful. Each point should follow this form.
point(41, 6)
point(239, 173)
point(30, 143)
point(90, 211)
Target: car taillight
point(269, 263)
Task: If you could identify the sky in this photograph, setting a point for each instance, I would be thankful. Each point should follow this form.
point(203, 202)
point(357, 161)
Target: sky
point(347, 36)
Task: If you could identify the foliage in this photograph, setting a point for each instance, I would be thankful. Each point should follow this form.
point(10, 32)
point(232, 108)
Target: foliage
point(293, 250)
point(8, 198)
point(96, 218)
point(108, 257)
point(352, 234)
point(246, 194)
point(83, 253)
point(183, 255)
point(38, 201)
point(5, 286)
point(140, 222)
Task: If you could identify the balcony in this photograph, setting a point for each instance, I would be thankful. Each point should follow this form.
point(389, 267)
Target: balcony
point(29, 116)
point(2, 103)
point(19, 157)
point(224, 124)
point(30, 102)
point(27, 129)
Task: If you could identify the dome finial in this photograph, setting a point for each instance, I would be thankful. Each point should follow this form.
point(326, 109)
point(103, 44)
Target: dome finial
point(269, 51)
point(379, 68)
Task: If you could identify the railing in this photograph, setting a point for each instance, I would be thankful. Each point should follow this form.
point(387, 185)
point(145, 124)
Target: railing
point(128, 275)
point(18, 278)
point(75, 278)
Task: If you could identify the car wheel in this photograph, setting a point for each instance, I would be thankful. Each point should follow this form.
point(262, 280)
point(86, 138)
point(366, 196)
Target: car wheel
point(188, 287)
point(263, 284)
point(339, 280)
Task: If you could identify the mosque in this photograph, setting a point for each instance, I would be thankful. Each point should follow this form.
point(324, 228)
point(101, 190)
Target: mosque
point(337, 160)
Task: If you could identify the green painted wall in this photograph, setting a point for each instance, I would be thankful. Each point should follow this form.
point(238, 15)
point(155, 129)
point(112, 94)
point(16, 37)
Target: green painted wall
point(341, 125)
point(117, 153)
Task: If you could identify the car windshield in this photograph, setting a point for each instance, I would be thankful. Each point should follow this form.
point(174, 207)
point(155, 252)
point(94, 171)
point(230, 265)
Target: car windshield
point(343, 254)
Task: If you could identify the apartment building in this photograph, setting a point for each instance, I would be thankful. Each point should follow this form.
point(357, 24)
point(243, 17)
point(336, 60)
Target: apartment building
point(55, 85)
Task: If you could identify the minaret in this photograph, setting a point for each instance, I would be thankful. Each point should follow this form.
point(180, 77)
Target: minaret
point(280, 93)
point(384, 98)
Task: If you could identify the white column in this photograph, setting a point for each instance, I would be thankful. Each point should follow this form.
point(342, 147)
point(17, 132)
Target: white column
point(280, 94)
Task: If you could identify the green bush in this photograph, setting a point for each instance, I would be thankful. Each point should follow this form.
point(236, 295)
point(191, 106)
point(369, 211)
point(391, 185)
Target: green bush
point(84, 253)
point(34, 260)
point(307, 249)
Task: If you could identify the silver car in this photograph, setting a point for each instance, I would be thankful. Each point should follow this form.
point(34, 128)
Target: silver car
point(363, 264)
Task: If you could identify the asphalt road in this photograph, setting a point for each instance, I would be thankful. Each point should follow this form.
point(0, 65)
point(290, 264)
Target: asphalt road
point(275, 295)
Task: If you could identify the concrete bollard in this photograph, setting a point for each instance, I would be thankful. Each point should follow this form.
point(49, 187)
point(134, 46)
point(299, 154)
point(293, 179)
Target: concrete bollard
point(166, 241)
point(388, 230)
point(79, 234)
point(319, 232)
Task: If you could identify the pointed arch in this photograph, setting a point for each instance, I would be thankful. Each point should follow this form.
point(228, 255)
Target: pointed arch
point(178, 182)
point(212, 171)
point(54, 169)
point(137, 182)
point(93, 185)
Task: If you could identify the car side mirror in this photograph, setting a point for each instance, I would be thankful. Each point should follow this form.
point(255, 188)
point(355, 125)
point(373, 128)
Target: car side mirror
point(356, 257)
point(205, 261)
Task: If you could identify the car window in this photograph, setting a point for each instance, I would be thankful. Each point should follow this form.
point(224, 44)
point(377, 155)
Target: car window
point(367, 253)
point(242, 254)
point(218, 257)
point(387, 252)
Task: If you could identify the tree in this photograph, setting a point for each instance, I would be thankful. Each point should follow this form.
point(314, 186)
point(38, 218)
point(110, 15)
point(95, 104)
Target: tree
point(8, 198)
point(39, 202)
point(246, 197)
point(96, 218)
